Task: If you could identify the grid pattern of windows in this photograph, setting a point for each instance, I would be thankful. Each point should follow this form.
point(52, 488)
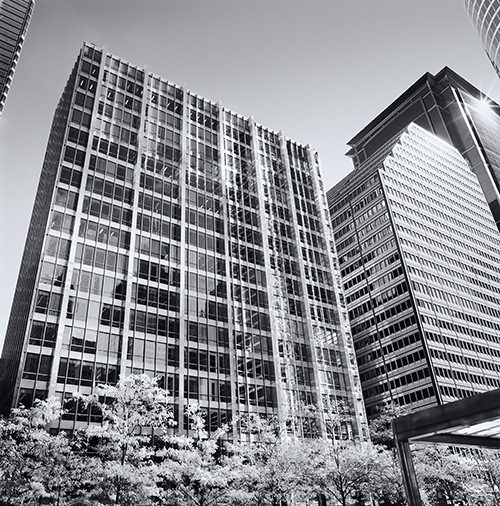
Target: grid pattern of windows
point(302, 288)
point(422, 296)
point(255, 366)
point(189, 243)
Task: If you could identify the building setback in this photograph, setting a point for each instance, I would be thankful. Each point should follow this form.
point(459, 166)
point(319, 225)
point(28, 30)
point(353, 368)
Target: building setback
point(15, 16)
point(173, 237)
point(457, 112)
point(418, 251)
point(485, 17)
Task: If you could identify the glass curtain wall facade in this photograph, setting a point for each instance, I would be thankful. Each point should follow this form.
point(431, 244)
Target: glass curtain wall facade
point(485, 17)
point(482, 118)
point(184, 241)
point(418, 252)
point(15, 16)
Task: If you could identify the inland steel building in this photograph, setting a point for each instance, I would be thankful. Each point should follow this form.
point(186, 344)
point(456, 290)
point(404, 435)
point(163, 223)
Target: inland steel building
point(173, 237)
point(414, 227)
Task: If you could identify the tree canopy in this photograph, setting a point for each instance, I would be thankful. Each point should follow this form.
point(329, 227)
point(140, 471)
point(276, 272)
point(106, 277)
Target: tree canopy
point(134, 457)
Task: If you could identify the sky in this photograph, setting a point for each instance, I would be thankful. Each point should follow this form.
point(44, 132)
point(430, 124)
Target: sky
point(318, 70)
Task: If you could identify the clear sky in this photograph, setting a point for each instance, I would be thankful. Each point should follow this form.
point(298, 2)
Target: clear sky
point(319, 70)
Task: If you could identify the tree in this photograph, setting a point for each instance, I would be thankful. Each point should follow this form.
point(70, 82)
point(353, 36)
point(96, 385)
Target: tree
point(121, 449)
point(274, 466)
point(381, 426)
point(445, 475)
point(351, 471)
point(487, 468)
point(193, 471)
point(382, 436)
point(35, 465)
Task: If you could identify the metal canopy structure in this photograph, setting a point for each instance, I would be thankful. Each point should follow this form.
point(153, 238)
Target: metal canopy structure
point(471, 422)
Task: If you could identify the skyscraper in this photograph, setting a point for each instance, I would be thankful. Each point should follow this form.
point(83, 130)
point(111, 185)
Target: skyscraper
point(417, 250)
point(15, 16)
point(485, 16)
point(457, 112)
point(174, 237)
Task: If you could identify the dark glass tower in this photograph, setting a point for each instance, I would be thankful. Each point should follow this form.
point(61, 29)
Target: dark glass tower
point(176, 238)
point(15, 16)
point(417, 245)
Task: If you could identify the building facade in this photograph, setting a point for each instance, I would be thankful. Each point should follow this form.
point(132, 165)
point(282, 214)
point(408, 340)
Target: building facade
point(485, 17)
point(173, 237)
point(418, 252)
point(454, 110)
point(15, 16)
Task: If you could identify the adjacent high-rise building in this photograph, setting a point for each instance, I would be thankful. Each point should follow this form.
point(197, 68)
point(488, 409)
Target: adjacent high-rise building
point(418, 247)
point(457, 112)
point(485, 16)
point(173, 237)
point(15, 16)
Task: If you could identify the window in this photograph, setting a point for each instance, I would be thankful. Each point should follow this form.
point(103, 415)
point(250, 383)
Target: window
point(37, 367)
point(43, 334)
point(48, 303)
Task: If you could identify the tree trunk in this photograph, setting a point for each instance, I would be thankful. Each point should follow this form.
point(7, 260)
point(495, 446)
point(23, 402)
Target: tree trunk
point(118, 491)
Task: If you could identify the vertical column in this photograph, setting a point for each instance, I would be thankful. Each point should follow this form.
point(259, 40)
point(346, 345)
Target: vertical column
point(223, 177)
point(307, 317)
point(408, 471)
point(183, 171)
point(266, 230)
point(127, 307)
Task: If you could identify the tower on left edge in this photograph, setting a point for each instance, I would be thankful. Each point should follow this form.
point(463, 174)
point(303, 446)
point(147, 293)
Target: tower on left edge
point(15, 16)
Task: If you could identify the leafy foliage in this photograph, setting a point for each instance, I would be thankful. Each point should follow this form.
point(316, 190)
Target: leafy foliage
point(381, 426)
point(350, 472)
point(272, 463)
point(449, 476)
point(445, 475)
point(487, 469)
point(133, 458)
point(133, 412)
point(34, 465)
point(192, 471)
